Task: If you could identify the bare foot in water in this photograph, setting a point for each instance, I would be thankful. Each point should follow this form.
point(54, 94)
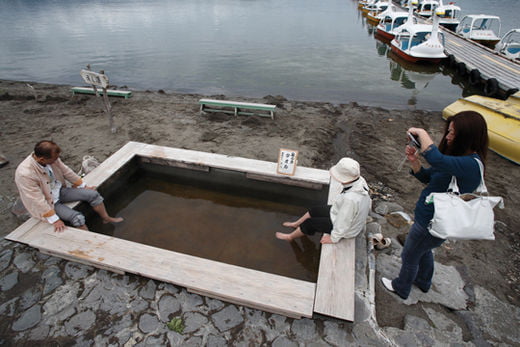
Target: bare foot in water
point(282, 236)
point(289, 224)
point(113, 220)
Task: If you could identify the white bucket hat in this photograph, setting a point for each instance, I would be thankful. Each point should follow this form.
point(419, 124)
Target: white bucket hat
point(346, 170)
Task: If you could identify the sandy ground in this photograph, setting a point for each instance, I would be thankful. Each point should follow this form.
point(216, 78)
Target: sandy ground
point(322, 133)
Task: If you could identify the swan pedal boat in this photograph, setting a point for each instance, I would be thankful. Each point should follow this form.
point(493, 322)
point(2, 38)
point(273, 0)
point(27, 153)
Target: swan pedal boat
point(419, 43)
point(375, 8)
point(480, 28)
point(509, 45)
point(390, 22)
point(426, 7)
point(449, 15)
point(374, 17)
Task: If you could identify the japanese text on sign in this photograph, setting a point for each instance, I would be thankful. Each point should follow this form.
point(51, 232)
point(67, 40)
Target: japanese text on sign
point(287, 161)
point(94, 78)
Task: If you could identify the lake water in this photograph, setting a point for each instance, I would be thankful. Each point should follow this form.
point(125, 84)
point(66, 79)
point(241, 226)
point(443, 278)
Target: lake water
point(301, 49)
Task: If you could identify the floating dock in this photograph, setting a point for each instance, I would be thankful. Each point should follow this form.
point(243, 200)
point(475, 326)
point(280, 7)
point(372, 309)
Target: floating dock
point(482, 65)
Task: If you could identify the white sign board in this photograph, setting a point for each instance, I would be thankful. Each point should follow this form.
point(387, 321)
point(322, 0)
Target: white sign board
point(287, 162)
point(94, 78)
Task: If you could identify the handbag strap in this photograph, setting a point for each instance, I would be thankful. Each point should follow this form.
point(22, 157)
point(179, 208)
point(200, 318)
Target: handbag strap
point(482, 189)
point(482, 186)
point(453, 187)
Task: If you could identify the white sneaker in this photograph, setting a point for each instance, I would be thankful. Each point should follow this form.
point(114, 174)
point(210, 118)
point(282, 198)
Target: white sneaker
point(387, 284)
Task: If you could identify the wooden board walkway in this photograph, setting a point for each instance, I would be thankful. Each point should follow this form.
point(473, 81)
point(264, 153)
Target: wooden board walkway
point(489, 63)
point(264, 291)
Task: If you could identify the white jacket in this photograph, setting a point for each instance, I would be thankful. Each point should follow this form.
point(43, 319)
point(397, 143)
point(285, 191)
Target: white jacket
point(350, 211)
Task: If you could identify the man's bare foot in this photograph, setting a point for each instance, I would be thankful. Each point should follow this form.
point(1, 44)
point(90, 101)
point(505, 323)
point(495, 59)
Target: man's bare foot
point(282, 236)
point(289, 224)
point(113, 220)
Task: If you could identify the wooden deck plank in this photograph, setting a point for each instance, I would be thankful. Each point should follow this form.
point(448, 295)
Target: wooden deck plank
point(113, 163)
point(335, 289)
point(220, 161)
point(247, 287)
point(78, 260)
point(20, 233)
point(336, 276)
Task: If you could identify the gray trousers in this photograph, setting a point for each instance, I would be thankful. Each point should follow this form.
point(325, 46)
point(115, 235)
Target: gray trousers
point(66, 213)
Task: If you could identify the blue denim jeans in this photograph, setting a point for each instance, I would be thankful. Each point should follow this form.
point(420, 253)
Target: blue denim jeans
point(417, 257)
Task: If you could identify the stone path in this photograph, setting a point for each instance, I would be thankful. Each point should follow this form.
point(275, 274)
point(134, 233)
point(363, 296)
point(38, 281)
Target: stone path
point(46, 300)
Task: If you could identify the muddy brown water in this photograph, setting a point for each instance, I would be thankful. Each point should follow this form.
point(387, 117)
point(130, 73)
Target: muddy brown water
point(230, 219)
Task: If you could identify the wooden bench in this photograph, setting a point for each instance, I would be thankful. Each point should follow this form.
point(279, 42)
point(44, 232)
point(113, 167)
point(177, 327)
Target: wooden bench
point(111, 92)
point(211, 105)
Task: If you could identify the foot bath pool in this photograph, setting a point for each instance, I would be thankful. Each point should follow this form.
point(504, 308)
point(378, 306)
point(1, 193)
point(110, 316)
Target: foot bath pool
point(206, 222)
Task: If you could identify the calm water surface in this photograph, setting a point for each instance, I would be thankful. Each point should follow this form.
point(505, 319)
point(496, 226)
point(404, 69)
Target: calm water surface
point(302, 49)
point(211, 224)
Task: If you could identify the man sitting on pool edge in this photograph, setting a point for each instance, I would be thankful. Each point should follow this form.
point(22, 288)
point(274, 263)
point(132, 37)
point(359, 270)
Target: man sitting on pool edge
point(41, 181)
point(346, 217)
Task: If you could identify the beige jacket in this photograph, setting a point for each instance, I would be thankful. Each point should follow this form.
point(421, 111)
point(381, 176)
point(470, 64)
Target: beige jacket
point(33, 183)
point(350, 211)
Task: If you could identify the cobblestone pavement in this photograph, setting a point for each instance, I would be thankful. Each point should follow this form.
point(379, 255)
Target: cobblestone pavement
point(45, 300)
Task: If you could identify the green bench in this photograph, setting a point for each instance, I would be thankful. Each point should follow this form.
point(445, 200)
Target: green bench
point(111, 92)
point(211, 105)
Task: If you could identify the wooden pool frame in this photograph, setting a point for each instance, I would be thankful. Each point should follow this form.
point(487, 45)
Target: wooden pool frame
point(332, 295)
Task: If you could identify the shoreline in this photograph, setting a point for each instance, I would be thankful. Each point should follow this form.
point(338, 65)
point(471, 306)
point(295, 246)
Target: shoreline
point(322, 132)
point(385, 104)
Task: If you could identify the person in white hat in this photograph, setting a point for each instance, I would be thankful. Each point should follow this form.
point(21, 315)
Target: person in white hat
point(345, 218)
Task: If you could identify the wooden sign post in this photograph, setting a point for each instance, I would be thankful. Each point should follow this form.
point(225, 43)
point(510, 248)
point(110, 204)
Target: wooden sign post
point(287, 159)
point(100, 80)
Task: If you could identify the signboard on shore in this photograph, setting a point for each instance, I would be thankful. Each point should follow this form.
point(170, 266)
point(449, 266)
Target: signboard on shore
point(94, 78)
point(287, 162)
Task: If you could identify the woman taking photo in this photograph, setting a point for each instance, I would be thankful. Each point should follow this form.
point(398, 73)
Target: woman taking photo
point(465, 139)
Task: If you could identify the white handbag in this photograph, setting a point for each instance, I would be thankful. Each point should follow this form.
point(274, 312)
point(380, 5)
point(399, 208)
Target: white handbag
point(464, 217)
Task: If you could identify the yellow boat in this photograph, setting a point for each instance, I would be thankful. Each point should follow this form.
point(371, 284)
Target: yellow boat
point(502, 118)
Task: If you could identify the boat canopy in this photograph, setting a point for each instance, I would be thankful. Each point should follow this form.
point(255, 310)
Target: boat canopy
point(448, 11)
point(478, 22)
point(509, 45)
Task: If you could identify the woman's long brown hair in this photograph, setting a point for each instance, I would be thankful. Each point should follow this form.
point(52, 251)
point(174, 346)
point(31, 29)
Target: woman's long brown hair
point(471, 135)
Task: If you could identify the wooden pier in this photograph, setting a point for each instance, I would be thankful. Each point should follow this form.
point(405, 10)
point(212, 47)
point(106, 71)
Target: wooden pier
point(482, 65)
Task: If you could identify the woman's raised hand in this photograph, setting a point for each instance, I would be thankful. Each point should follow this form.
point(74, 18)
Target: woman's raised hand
point(425, 139)
point(412, 153)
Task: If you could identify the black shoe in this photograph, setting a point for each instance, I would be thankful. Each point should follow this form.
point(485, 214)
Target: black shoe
point(421, 288)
